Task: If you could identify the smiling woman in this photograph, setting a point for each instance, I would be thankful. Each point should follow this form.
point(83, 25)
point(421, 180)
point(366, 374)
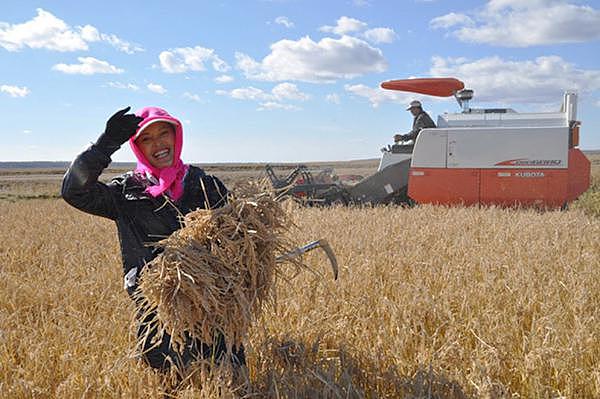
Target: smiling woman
point(146, 205)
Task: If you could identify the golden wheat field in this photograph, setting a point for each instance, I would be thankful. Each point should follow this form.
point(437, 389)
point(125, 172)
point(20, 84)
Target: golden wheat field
point(431, 302)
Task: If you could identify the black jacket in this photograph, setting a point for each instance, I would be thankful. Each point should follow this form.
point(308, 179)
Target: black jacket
point(141, 219)
point(421, 121)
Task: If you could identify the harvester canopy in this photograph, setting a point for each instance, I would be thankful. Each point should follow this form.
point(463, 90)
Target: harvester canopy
point(439, 87)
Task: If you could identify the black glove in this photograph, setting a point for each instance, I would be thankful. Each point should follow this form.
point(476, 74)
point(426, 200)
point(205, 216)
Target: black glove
point(119, 128)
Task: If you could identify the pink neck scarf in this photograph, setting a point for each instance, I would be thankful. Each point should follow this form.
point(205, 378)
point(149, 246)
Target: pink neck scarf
point(170, 179)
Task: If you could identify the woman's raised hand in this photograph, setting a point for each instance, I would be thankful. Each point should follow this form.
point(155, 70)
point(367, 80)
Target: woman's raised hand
point(119, 128)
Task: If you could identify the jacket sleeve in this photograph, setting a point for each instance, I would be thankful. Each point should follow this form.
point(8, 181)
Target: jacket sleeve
point(81, 188)
point(422, 121)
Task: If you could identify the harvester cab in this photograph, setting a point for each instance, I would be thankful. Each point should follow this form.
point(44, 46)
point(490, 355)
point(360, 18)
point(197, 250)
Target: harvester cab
point(401, 151)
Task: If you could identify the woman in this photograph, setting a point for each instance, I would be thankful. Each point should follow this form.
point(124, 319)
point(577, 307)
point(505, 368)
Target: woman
point(146, 205)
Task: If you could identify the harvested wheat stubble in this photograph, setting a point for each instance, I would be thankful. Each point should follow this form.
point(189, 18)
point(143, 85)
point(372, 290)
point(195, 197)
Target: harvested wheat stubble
point(217, 271)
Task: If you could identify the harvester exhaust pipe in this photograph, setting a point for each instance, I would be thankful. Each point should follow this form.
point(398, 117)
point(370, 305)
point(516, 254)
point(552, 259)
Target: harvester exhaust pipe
point(323, 244)
point(464, 97)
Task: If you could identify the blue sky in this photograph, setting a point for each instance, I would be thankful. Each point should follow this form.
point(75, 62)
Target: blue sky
point(281, 80)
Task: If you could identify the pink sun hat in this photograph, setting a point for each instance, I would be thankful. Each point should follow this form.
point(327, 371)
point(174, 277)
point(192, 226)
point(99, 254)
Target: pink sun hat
point(170, 178)
point(152, 115)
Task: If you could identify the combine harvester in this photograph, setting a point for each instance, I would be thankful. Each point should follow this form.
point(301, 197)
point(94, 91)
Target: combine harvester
point(478, 156)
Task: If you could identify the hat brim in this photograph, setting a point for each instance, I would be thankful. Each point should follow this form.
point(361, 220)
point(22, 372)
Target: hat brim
point(139, 132)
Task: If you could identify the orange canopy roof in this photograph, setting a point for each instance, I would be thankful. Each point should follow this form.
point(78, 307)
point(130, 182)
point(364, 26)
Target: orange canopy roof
point(440, 87)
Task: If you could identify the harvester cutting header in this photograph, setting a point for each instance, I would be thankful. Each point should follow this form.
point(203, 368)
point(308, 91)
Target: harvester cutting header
point(491, 156)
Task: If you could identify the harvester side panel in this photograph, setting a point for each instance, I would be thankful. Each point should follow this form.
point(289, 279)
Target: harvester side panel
point(383, 186)
point(490, 148)
point(579, 174)
point(505, 187)
point(527, 187)
point(431, 149)
point(444, 186)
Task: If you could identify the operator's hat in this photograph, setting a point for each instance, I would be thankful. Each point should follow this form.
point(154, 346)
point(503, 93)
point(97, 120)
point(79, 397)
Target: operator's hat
point(414, 104)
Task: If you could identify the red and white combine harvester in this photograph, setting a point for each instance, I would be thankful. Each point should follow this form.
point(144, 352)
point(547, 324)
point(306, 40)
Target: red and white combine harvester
point(494, 156)
point(477, 156)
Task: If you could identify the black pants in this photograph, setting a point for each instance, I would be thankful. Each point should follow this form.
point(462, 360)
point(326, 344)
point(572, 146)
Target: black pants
point(161, 355)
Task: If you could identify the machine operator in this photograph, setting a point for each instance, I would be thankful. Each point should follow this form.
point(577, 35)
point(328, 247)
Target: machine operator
point(422, 120)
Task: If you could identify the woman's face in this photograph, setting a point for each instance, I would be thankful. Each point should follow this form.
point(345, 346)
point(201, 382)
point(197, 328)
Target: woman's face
point(157, 143)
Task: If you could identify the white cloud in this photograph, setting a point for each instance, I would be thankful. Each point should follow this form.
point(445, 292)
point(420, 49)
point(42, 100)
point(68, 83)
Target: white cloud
point(128, 86)
point(377, 95)
point(333, 98)
point(309, 61)
point(27, 131)
point(43, 31)
point(494, 79)
point(449, 20)
point(156, 88)
point(14, 91)
point(89, 33)
point(380, 35)
point(271, 105)
point(191, 96)
point(49, 32)
point(120, 44)
point(246, 93)
point(224, 79)
point(598, 103)
point(361, 3)
point(344, 25)
point(513, 23)
point(246, 63)
point(283, 91)
point(87, 66)
point(184, 59)
point(289, 91)
point(284, 21)
point(219, 65)
point(273, 100)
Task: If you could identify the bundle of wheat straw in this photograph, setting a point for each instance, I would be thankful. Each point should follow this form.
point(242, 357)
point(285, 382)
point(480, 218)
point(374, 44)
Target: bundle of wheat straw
point(216, 272)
